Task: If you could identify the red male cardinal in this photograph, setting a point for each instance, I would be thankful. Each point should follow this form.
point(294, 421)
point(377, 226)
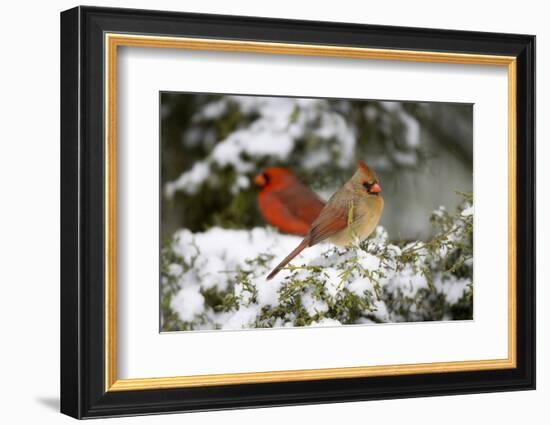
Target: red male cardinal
point(285, 202)
point(352, 211)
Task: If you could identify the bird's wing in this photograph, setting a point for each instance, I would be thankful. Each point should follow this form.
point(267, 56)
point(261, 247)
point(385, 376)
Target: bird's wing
point(301, 202)
point(278, 214)
point(331, 220)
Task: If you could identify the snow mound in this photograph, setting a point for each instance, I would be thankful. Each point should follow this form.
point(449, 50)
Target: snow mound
point(218, 278)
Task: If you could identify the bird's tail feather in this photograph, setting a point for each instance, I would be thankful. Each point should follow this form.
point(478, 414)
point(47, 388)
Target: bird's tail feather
point(289, 258)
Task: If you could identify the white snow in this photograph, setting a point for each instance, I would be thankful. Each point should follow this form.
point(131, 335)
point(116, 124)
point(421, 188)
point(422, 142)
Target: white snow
point(242, 318)
point(241, 182)
point(213, 110)
point(334, 127)
point(280, 125)
point(407, 281)
point(333, 281)
point(468, 211)
point(175, 269)
point(216, 256)
point(326, 322)
point(360, 285)
point(412, 129)
point(406, 158)
point(381, 312)
point(188, 303)
point(316, 159)
point(313, 305)
point(410, 134)
point(368, 261)
point(440, 212)
point(189, 182)
point(219, 258)
point(452, 289)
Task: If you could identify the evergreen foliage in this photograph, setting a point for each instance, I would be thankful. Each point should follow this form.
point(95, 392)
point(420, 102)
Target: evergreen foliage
point(374, 281)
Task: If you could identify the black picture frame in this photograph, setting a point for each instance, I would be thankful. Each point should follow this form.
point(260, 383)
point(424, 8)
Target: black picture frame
point(83, 392)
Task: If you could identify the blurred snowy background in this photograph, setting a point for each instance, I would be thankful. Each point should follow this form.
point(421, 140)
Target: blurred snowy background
point(217, 247)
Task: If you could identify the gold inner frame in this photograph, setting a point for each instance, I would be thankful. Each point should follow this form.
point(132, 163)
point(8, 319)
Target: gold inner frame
point(113, 41)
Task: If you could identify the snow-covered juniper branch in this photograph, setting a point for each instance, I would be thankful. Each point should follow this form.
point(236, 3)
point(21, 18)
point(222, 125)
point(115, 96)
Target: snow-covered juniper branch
point(216, 279)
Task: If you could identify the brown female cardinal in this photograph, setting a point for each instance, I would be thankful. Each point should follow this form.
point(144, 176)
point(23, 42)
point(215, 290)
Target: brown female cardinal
point(352, 212)
point(285, 202)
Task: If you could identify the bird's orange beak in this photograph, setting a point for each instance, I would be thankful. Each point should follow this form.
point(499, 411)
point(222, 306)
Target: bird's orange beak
point(259, 180)
point(375, 188)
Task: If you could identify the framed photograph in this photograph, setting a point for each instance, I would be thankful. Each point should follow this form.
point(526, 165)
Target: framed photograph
point(261, 212)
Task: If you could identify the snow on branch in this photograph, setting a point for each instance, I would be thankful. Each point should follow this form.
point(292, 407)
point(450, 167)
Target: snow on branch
point(216, 279)
point(301, 133)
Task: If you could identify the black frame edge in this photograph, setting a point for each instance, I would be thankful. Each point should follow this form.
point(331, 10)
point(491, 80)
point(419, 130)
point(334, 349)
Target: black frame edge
point(70, 383)
point(526, 210)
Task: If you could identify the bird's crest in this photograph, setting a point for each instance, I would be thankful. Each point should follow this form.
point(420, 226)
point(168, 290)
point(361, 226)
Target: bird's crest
point(365, 169)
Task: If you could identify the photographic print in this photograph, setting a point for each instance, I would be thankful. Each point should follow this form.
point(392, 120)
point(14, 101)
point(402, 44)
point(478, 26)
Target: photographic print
point(290, 212)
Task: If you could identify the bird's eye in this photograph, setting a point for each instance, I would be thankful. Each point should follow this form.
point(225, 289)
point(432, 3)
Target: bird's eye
point(266, 178)
point(372, 188)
